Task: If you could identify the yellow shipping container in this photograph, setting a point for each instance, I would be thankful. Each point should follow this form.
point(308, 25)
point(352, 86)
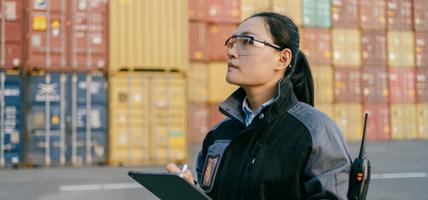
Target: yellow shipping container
point(198, 82)
point(323, 83)
point(147, 118)
point(404, 121)
point(423, 120)
point(346, 47)
point(218, 88)
point(250, 7)
point(326, 108)
point(349, 117)
point(291, 8)
point(148, 34)
point(401, 51)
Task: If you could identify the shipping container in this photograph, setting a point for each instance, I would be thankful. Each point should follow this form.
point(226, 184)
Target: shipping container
point(372, 14)
point(346, 47)
point(316, 44)
point(67, 35)
point(375, 85)
point(148, 118)
point(323, 83)
point(422, 110)
point(12, 34)
point(198, 78)
point(399, 14)
point(344, 13)
point(11, 119)
point(347, 85)
point(215, 116)
point(401, 51)
point(421, 48)
point(218, 88)
point(317, 13)
point(404, 121)
point(422, 84)
point(349, 117)
point(148, 34)
point(251, 7)
point(198, 10)
point(224, 11)
point(420, 14)
point(198, 41)
point(198, 119)
point(292, 9)
point(373, 49)
point(327, 108)
point(402, 87)
point(217, 36)
point(378, 125)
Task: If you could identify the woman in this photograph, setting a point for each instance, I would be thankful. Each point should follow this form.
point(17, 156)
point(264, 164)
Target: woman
point(273, 144)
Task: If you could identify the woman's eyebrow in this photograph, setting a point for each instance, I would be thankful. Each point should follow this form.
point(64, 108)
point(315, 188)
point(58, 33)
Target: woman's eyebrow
point(245, 33)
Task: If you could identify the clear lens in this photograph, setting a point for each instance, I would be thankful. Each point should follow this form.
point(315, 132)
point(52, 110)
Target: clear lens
point(245, 46)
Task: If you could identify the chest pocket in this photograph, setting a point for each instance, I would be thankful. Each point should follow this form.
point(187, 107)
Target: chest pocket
point(212, 161)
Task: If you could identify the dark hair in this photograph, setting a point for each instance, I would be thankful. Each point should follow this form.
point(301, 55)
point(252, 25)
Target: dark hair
point(286, 34)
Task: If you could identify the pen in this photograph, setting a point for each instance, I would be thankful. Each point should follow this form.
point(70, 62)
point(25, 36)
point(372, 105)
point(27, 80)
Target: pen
point(183, 170)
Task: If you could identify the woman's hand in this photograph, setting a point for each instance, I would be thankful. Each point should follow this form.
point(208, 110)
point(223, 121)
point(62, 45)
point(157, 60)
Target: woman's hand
point(187, 175)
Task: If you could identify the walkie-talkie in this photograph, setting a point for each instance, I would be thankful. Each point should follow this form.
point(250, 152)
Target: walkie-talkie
point(359, 177)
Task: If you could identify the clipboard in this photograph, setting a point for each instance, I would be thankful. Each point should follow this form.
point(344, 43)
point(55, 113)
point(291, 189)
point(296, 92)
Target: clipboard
point(168, 186)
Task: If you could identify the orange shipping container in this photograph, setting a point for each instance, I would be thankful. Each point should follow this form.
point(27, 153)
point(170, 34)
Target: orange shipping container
point(323, 83)
point(12, 37)
point(421, 49)
point(198, 78)
point(399, 15)
point(198, 10)
point(378, 125)
point(375, 85)
point(422, 84)
point(215, 116)
point(373, 47)
point(224, 11)
point(422, 110)
point(198, 118)
point(373, 14)
point(349, 117)
point(420, 14)
point(402, 85)
point(346, 47)
point(344, 13)
point(401, 49)
point(250, 7)
point(198, 41)
point(404, 121)
point(217, 36)
point(347, 85)
point(316, 44)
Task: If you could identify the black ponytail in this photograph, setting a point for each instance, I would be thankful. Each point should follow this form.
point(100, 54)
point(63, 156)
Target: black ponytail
point(286, 34)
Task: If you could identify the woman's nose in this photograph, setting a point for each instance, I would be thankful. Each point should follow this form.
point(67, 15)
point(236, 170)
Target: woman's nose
point(231, 53)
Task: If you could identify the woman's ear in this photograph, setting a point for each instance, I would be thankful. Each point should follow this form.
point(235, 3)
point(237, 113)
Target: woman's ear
point(284, 60)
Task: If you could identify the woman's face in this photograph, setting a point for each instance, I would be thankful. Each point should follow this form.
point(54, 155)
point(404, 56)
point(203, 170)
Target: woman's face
point(257, 68)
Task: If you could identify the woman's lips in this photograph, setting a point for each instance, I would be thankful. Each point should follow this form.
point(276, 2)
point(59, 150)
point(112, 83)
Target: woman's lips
point(230, 65)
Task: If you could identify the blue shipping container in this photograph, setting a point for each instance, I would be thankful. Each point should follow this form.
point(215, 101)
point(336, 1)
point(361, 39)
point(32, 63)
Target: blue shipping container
point(11, 127)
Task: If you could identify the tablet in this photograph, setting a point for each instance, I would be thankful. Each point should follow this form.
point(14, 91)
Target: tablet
point(168, 186)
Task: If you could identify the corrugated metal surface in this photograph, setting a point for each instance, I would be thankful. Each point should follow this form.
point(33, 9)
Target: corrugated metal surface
point(375, 85)
point(323, 83)
point(349, 117)
point(198, 78)
point(347, 85)
point(373, 49)
point(292, 9)
point(402, 85)
point(215, 116)
point(422, 110)
point(12, 34)
point(327, 108)
point(224, 11)
point(198, 10)
point(422, 84)
point(198, 41)
point(218, 88)
point(404, 121)
point(420, 15)
point(373, 14)
point(399, 14)
point(317, 13)
point(401, 51)
point(147, 118)
point(421, 48)
point(148, 34)
point(198, 118)
point(344, 13)
point(316, 44)
point(378, 125)
point(11, 119)
point(217, 35)
point(250, 7)
point(346, 47)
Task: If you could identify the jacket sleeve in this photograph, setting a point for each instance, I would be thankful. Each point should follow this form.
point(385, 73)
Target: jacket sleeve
point(327, 170)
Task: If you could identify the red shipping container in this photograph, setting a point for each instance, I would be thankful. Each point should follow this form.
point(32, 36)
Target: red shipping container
point(217, 35)
point(375, 85)
point(67, 35)
point(374, 49)
point(378, 126)
point(372, 14)
point(224, 11)
point(198, 116)
point(344, 13)
point(198, 41)
point(399, 14)
point(402, 85)
point(347, 85)
point(422, 84)
point(198, 10)
point(215, 116)
point(420, 13)
point(421, 49)
point(12, 37)
point(316, 44)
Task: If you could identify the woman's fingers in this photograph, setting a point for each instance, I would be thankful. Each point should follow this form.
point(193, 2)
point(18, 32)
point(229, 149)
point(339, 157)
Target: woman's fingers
point(187, 175)
point(172, 168)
